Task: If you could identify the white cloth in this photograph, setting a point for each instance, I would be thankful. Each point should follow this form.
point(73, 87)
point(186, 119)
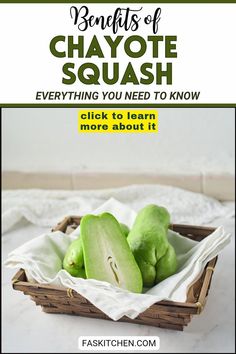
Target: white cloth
point(42, 259)
point(47, 208)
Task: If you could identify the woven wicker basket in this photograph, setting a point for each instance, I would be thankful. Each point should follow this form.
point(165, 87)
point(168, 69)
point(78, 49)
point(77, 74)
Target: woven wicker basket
point(165, 314)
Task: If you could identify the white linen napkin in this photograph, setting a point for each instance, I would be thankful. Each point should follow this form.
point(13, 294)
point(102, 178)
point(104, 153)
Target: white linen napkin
point(42, 259)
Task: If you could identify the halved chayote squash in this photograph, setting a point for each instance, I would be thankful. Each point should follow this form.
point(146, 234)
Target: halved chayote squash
point(107, 256)
point(73, 261)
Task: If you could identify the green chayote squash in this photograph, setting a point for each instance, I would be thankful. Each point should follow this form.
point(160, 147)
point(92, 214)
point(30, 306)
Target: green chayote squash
point(107, 256)
point(73, 261)
point(148, 241)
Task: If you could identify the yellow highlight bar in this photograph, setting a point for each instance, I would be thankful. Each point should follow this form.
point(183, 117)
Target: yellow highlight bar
point(118, 121)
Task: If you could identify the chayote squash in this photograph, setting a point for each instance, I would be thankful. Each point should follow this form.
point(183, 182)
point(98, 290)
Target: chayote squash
point(148, 241)
point(73, 261)
point(107, 256)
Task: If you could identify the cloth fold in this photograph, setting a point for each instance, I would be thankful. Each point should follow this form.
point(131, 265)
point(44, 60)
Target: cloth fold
point(42, 259)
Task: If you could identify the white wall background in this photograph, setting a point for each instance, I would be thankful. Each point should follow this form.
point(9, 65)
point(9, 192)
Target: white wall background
point(46, 139)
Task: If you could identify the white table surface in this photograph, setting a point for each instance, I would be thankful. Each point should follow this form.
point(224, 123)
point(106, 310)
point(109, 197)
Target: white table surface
point(26, 329)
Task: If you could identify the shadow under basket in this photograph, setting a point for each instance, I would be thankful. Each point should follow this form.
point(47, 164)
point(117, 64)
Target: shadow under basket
point(165, 314)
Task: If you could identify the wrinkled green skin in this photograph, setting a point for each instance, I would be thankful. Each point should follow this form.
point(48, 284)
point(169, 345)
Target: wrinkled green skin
point(73, 261)
point(148, 241)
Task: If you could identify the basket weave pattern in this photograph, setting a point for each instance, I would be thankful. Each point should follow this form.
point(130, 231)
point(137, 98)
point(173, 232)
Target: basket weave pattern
point(165, 314)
